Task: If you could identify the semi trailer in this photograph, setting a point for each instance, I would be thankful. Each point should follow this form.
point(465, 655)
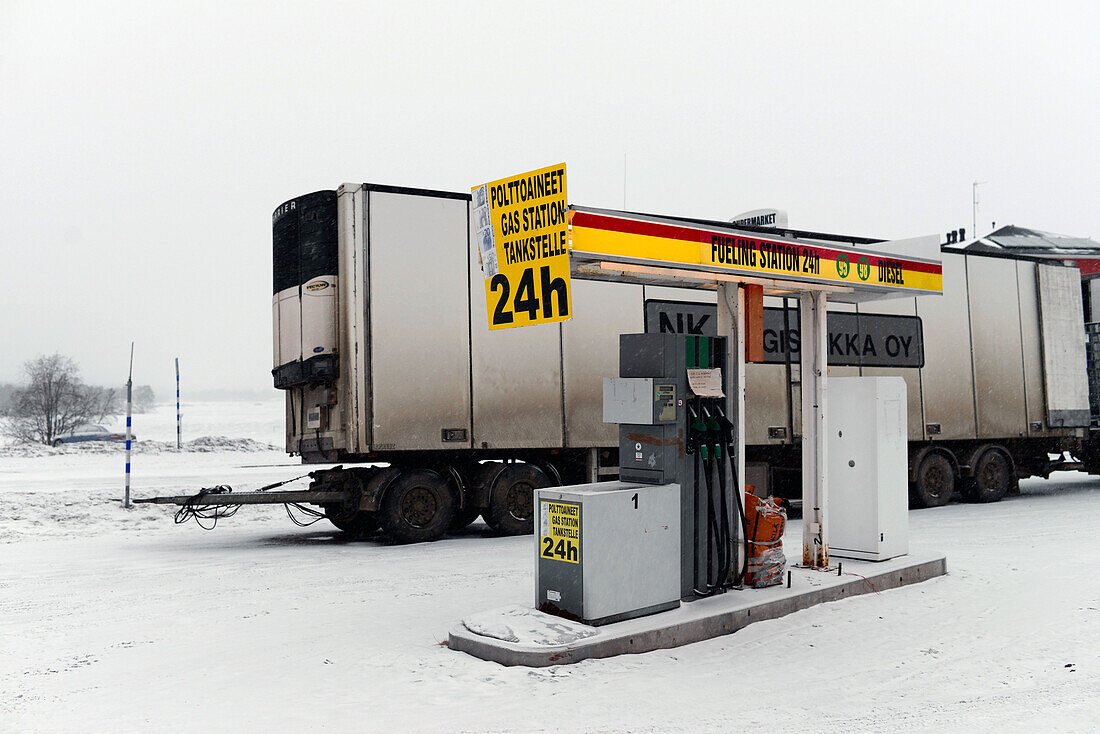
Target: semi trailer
point(389, 370)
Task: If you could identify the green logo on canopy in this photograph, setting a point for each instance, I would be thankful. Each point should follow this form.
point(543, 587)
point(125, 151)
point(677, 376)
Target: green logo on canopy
point(863, 268)
point(842, 265)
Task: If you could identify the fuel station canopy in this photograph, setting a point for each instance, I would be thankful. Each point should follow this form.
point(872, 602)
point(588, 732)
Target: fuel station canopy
point(659, 250)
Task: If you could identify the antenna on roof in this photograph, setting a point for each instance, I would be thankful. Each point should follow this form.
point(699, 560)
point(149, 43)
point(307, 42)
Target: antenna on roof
point(974, 191)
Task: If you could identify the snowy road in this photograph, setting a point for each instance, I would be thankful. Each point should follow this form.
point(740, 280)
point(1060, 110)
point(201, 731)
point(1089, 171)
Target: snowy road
point(116, 621)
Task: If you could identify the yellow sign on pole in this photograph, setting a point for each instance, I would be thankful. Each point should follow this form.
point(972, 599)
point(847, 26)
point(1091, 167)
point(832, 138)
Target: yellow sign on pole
point(520, 226)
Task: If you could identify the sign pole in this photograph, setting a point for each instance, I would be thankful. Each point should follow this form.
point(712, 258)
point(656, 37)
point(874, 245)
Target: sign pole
point(129, 414)
point(179, 421)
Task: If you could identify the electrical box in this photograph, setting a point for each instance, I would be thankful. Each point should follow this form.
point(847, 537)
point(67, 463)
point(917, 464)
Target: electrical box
point(868, 491)
point(607, 551)
point(313, 418)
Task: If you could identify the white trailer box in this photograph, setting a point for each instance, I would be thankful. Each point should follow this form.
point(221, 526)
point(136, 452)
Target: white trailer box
point(868, 487)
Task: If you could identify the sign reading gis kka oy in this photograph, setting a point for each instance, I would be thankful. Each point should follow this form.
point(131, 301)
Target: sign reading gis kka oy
point(519, 223)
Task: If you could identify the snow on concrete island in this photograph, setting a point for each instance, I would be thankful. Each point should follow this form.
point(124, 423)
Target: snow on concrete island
point(120, 620)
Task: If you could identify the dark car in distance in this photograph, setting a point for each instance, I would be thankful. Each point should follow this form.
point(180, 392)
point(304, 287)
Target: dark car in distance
point(91, 432)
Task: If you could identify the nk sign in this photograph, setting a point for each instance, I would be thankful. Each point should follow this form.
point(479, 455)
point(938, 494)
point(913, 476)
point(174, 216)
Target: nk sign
point(519, 225)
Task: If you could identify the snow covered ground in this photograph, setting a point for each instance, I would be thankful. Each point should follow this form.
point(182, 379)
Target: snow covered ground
point(119, 620)
point(62, 492)
point(260, 420)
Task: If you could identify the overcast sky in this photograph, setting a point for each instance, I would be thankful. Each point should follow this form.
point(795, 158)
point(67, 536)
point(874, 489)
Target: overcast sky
point(143, 148)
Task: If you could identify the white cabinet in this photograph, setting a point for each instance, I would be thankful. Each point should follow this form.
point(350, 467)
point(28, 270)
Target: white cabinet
point(868, 487)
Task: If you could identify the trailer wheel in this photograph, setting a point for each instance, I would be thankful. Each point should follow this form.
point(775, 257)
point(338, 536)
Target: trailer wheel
point(512, 500)
point(418, 506)
point(354, 522)
point(935, 482)
point(992, 478)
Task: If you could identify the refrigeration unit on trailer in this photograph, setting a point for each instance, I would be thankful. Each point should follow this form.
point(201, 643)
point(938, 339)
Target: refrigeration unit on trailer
point(304, 270)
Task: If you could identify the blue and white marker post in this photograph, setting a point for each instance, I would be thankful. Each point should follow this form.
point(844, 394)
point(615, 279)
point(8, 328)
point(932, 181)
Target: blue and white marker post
point(129, 413)
point(179, 420)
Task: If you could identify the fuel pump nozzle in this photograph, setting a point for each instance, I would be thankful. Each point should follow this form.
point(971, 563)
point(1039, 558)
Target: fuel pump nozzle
point(696, 427)
point(724, 427)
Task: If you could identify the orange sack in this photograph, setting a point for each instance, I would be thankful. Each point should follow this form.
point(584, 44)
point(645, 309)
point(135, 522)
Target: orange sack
point(766, 520)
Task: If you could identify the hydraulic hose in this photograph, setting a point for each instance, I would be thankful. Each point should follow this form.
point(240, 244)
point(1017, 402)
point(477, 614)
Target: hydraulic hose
point(700, 444)
point(726, 429)
point(725, 535)
point(694, 449)
point(703, 457)
point(716, 560)
point(706, 430)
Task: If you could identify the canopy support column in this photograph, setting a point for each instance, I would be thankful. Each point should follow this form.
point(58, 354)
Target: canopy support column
point(814, 371)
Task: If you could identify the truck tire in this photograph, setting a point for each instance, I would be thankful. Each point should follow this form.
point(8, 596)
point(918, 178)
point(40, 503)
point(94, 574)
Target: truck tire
point(418, 506)
point(357, 523)
point(512, 499)
point(935, 482)
point(992, 478)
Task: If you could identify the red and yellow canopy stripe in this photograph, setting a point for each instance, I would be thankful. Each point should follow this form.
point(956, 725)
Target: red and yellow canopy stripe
point(701, 247)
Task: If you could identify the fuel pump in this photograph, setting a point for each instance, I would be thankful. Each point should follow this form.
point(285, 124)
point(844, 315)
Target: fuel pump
point(689, 442)
point(666, 532)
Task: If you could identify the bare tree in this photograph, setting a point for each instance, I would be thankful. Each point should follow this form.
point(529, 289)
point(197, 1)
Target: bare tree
point(106, 402)
point(53, 402)
point(6, 391)
point(144, 399)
